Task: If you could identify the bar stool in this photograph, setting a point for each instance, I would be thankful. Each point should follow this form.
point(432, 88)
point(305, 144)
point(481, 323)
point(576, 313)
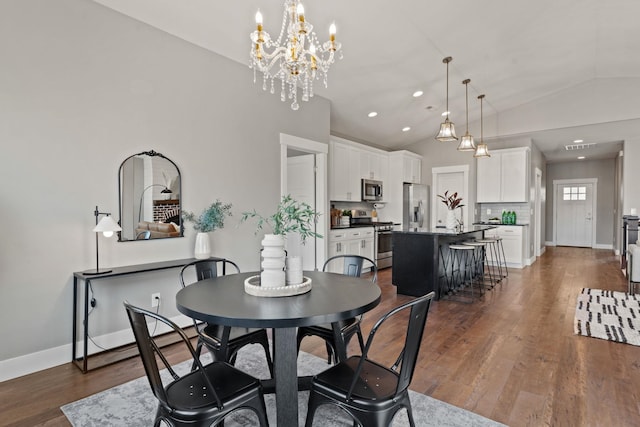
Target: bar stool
point(500, 259)
point(479, 260)
point(461, 268)
point(492, 258)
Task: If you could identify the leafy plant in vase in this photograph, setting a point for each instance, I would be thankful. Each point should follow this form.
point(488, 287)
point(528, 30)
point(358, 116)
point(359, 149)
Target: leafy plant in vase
point(452, 202)
point(211, 219)
point(290, 216)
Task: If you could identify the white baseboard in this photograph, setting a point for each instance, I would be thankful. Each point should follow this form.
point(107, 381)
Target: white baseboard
point(597, 246)
point(550, 243)
point(30, 363)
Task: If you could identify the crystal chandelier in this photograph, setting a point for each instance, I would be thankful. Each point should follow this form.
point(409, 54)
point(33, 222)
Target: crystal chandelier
point(447, 129)
point(481, 150)
point(467, 143)
point(296, 58)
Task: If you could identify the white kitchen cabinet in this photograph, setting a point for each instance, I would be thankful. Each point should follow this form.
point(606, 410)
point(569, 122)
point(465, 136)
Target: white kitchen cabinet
point(373, 165)
point(344, 173)
point(503, 177)
point(350, 241)
point(412, 169)
point(405, 165)
point(349, 163)
point(514, 239)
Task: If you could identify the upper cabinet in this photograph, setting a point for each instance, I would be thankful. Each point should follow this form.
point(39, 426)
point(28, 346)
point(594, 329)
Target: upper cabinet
point(408, 164)
point(504, 177)
point(373, 165)
point(349, 163)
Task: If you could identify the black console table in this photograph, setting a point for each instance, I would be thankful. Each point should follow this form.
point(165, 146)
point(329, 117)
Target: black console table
point(82, 362)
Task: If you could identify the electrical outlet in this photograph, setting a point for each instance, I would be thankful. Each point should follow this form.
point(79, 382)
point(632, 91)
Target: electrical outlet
point(155, 300)
point(488, 211)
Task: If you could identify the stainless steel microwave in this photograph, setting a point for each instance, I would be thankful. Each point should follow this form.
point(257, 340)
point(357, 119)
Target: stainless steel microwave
point(371, 190)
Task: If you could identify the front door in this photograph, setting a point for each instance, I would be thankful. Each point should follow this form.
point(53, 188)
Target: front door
point(574, 214)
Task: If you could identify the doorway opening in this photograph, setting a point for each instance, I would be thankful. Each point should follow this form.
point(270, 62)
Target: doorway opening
point(303, 174)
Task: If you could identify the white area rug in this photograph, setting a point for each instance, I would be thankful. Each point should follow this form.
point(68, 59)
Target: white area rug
point(609, 315)
point(133, 405)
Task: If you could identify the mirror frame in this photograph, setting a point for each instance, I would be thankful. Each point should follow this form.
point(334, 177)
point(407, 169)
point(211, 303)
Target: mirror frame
point(150, 153)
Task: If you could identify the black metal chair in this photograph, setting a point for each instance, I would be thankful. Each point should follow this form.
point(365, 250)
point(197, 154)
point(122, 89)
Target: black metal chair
point(370, 392)
point(202, 397)
point(224, 341)
point(352, 266)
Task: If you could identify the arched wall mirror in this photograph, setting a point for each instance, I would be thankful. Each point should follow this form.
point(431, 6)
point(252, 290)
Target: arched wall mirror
point(149, 186)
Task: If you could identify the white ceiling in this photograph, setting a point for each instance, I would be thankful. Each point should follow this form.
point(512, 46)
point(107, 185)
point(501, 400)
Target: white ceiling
point(513, 51)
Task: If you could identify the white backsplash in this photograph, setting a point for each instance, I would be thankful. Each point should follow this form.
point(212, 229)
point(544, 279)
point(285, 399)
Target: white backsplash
point(522, 211)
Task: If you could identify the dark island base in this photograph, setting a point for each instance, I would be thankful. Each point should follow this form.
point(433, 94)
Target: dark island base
point(417, 269)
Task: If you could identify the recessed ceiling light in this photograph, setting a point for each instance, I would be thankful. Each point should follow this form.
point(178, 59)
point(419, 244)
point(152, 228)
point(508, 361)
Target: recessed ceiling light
point(406, 129)
point(417, 93)
point(372, 114)
point(581, 158)
point(578, 141)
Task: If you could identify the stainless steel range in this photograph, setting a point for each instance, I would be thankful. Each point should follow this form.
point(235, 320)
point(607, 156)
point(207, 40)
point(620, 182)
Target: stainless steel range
point(383, 248)
point(383, 244)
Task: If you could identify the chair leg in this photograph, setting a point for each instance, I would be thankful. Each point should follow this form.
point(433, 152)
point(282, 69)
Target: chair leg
point(198, 351)
point(267, 354)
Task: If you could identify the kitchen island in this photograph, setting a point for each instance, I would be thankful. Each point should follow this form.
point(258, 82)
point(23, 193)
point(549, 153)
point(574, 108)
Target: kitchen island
point(417, 267)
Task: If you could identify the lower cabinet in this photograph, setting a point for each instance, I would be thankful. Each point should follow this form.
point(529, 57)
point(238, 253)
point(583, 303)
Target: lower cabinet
point(513, 242)
point(350, 241)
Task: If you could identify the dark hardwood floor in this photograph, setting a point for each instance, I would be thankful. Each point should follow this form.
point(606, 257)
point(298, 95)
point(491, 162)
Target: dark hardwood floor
point(511, 356)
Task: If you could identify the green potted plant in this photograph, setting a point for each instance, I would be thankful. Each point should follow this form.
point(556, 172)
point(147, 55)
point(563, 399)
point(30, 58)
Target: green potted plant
point(211, 219)
point(290, 216)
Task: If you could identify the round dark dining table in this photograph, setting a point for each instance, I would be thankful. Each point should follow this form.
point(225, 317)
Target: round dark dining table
point(333, 297)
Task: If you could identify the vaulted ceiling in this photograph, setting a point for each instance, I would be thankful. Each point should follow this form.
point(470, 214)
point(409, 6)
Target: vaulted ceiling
point(517, 53)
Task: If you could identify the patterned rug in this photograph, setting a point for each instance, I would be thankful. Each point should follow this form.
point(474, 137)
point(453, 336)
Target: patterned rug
point(133, 405)
point(609, 315)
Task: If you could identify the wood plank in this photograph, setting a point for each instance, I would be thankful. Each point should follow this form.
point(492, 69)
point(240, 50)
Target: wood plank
point(511, 356)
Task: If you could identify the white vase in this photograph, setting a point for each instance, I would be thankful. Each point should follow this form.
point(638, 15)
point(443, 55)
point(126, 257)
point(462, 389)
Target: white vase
point(273, 255)
point(203, 247)
point(294, 270)
point(450, 221)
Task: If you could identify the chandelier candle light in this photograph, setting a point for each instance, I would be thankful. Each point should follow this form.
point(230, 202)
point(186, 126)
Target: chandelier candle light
point(481, 150)
point(296, 57)
point(447, 129)
point(467, 143)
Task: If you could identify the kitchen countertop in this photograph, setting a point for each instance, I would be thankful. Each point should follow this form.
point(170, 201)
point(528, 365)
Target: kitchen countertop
point(500, 224)
point(444, 232)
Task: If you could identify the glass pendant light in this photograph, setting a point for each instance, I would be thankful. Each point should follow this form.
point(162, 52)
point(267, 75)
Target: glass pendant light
point(481, 150)
point(466, 143)
point(447, 129)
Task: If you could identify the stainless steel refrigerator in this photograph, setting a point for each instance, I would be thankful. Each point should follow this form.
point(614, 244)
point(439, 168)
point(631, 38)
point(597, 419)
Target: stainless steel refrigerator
point(415, 206)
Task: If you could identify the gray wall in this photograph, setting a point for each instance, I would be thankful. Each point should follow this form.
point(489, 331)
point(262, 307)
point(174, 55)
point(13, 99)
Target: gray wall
point(82, 88)
point(605, 172)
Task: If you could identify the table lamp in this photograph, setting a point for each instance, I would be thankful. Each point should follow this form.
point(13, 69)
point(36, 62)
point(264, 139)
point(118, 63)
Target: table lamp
point(107, 226)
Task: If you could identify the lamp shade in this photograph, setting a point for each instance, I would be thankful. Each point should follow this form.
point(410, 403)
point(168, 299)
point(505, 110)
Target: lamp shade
point(482, 151)
point(447, 132)
point(107, 225)
point(467, 143)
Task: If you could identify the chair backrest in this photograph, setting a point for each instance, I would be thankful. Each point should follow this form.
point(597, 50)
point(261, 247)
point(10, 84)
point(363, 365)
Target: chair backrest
point(149, 349)
point(206, 269)
point(144, 235)
point(409, 354)
point(352, 265)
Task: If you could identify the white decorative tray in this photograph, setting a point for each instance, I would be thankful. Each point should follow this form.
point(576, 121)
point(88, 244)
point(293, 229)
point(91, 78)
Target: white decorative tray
point(252, 287)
